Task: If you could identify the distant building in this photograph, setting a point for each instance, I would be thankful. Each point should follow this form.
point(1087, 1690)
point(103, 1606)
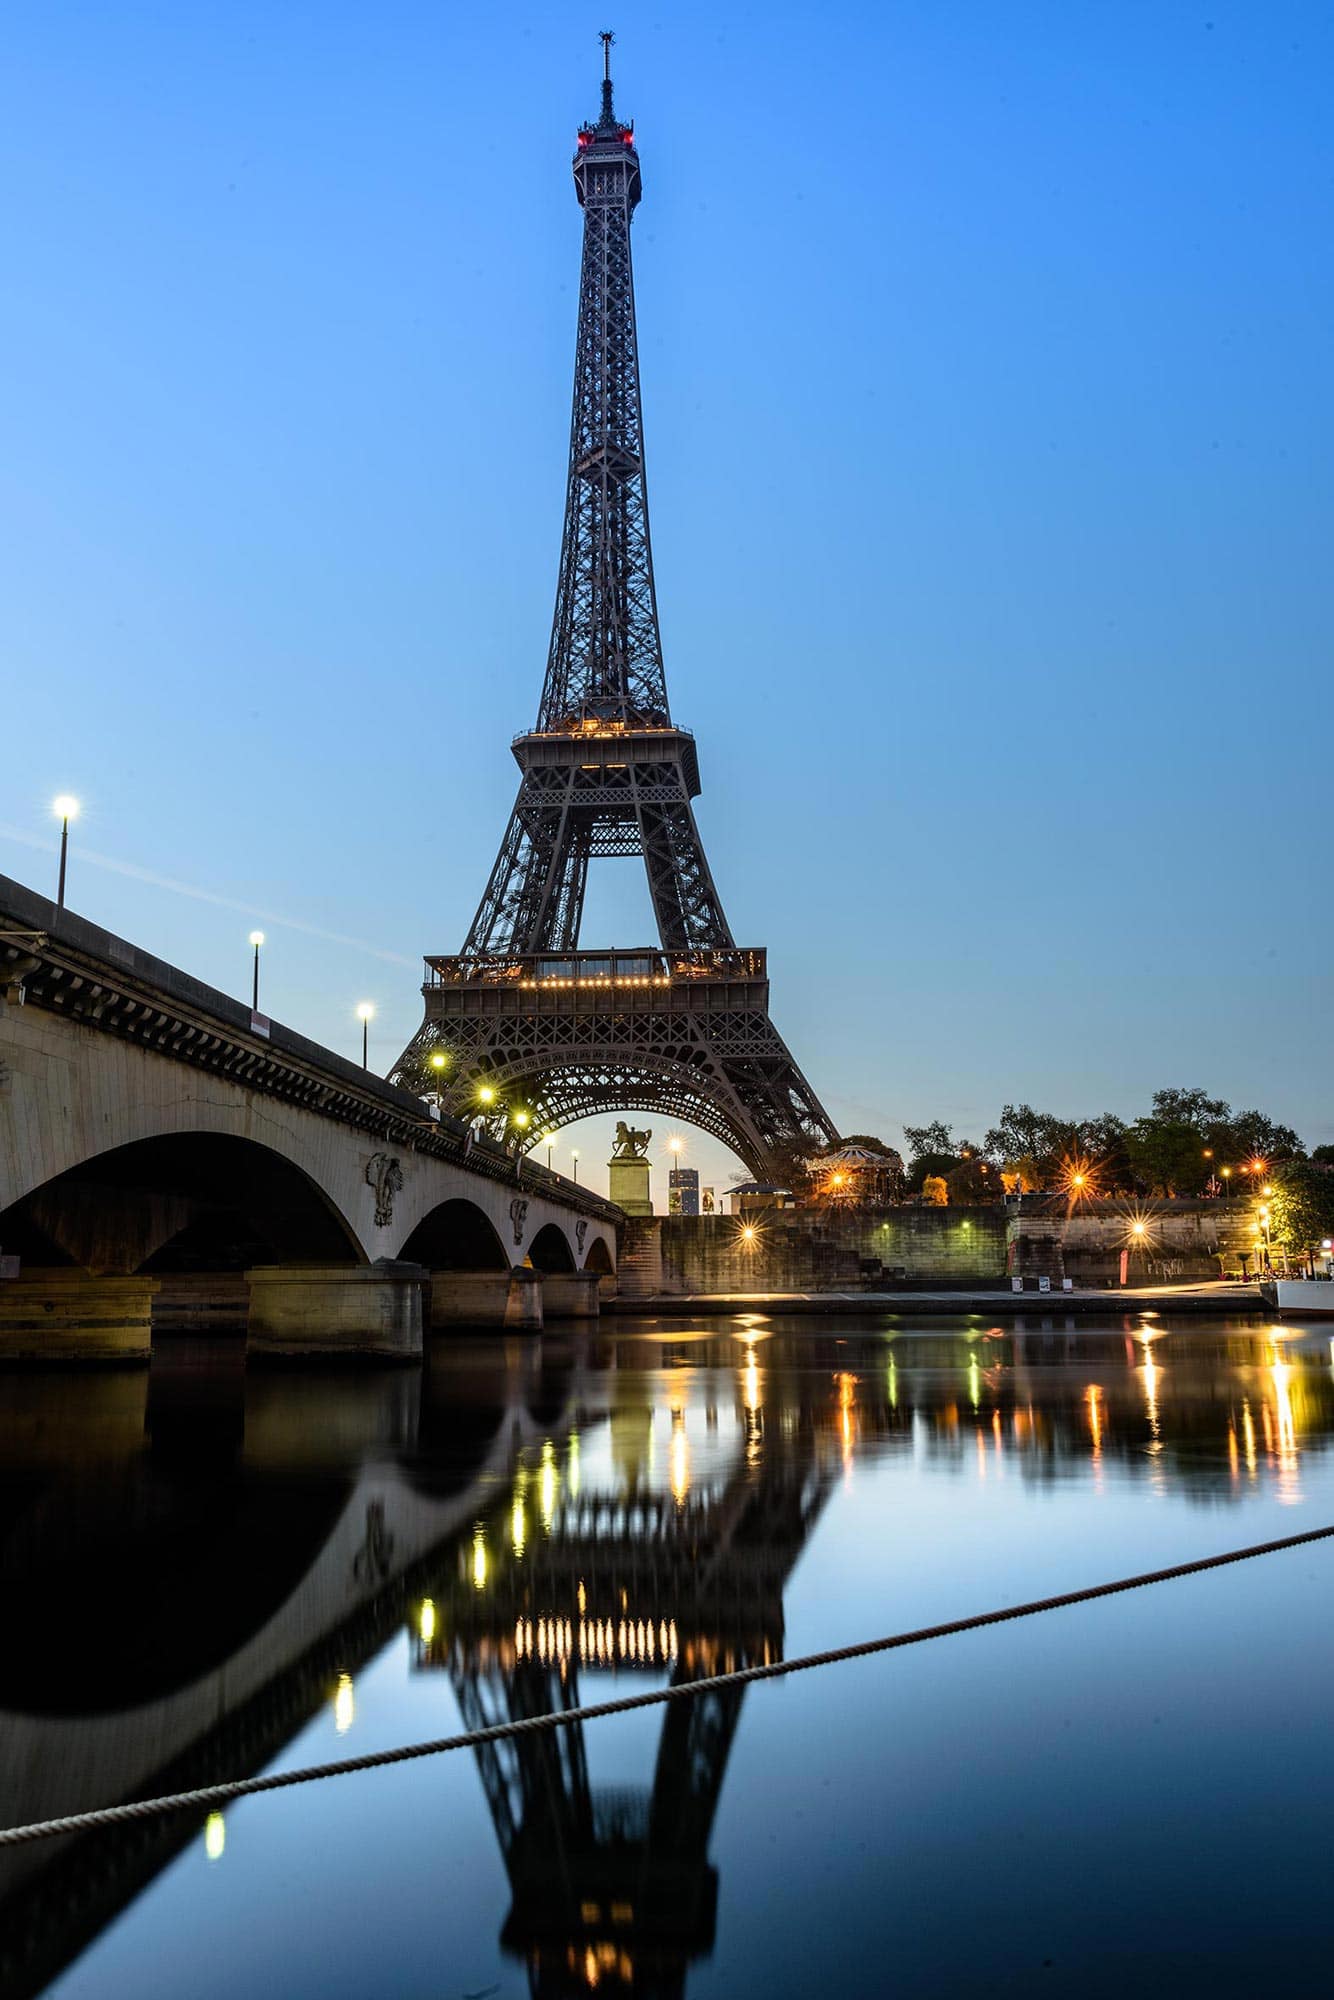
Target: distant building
point(683, 1191)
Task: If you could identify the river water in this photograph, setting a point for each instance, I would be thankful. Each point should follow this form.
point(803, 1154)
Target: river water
point(209, 1573)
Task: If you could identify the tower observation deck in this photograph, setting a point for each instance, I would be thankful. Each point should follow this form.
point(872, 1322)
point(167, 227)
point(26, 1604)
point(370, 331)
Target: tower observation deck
point(521, 1014)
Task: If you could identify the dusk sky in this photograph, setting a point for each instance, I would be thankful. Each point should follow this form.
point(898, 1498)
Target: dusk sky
point(986, 366)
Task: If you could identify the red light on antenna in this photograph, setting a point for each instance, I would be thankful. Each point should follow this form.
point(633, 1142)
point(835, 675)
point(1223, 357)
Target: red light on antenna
point(629, 138)
point(583, 140)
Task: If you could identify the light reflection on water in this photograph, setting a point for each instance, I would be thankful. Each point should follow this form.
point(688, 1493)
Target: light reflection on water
point(270, 1570)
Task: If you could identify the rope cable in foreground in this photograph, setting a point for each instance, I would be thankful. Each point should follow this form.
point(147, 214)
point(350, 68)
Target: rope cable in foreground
point(213, 1796)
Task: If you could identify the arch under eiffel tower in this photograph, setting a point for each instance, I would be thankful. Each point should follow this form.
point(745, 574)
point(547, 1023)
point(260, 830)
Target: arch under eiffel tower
point(682, 1027)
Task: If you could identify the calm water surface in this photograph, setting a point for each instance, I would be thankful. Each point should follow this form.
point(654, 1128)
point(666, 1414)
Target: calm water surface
point(207, 1574)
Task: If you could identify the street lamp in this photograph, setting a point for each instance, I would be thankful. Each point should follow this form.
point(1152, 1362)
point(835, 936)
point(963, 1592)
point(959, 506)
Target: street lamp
point(440, 1063)
point(256, 939)
point(365, 1014)
point(65, 809)
point(575, 1156)
point(548, 1140)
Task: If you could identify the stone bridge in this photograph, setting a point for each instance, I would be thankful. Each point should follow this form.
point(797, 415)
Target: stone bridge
point(167, 1156)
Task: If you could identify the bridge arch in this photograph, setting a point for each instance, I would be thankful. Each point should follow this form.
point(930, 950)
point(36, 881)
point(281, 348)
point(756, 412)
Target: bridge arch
point(599, 1258)
point(550, 1250)
point(456, 1235)
point(179, 1201)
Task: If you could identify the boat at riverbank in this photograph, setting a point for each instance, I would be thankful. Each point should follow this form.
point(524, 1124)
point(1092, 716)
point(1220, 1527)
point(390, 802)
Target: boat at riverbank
point(1302, 1298)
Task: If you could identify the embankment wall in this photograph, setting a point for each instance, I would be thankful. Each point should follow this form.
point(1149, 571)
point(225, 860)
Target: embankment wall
point(798, 1250)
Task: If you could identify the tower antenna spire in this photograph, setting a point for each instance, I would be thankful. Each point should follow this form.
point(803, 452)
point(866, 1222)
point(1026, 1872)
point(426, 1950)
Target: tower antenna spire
point(606, 38)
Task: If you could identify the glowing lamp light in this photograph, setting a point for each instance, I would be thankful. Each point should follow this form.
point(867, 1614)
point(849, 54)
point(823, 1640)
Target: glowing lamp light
point(256, 939)
point(215, 1836)
point(521, 1118)
point(426, 1621)
point(438, 1061)
point(748, 1233)
point(365, 1011)
point(1137, 1228)
point(486, 1095)
point(344, 1705)
point(65, 807)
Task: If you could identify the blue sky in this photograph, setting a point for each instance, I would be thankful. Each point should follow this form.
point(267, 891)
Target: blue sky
point(988, 402)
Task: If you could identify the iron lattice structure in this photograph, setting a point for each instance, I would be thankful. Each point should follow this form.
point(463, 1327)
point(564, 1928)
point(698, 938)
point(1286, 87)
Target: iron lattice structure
point(684, 1030)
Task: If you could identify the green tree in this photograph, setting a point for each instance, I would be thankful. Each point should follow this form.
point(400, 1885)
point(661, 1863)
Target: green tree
point(974, 1179)
point(1252, 1136)
point(1166, 1157)
point(928, 1165)
point(924, 1139)
point(1323, 1155)
point(1033, 1144)
point(1103, 1141)
point(1190, 1107)
point(1301, 1208)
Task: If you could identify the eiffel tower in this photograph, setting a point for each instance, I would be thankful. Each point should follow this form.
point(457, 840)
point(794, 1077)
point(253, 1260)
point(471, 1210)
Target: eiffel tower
point(525, 1021)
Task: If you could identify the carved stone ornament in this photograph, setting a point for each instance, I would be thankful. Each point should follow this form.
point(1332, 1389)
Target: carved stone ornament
point(518, 1216)
point(580, 1231)
point(385, 1175)
point(629, 1144)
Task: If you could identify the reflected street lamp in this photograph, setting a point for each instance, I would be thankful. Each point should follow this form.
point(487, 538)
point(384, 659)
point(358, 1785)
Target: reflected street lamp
point(65, 809)
point(365, 1014)
point(256, 939)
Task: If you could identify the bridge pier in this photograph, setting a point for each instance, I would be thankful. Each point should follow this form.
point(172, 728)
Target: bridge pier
point(509, 1299)
point(302, 1312)
point(73, 1316)
point(571, 1294)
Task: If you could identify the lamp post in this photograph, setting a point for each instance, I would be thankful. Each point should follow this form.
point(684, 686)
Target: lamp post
point(575, 1157)
point(256, 939)
point(548, 1140)
point(65, 809)
point(439, 1063)
point(365, 1014)
point(520, 1125)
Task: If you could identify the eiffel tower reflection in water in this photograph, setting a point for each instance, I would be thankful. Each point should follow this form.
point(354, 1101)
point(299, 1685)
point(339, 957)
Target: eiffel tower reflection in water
point(612, 1886)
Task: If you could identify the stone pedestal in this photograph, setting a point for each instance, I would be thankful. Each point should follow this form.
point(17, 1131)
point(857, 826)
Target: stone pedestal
point(302, 1312)
point(71, 1316)
point(508, 1299)
point(571, 1294)
point(628, 1185)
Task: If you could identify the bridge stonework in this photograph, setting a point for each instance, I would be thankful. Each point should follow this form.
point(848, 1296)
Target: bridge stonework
point(135, 1101)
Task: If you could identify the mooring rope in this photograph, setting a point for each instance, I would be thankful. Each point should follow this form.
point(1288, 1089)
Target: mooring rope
point(213, 1796)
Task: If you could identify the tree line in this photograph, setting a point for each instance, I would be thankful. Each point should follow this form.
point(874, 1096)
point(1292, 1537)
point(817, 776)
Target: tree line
point(1188, 1143)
